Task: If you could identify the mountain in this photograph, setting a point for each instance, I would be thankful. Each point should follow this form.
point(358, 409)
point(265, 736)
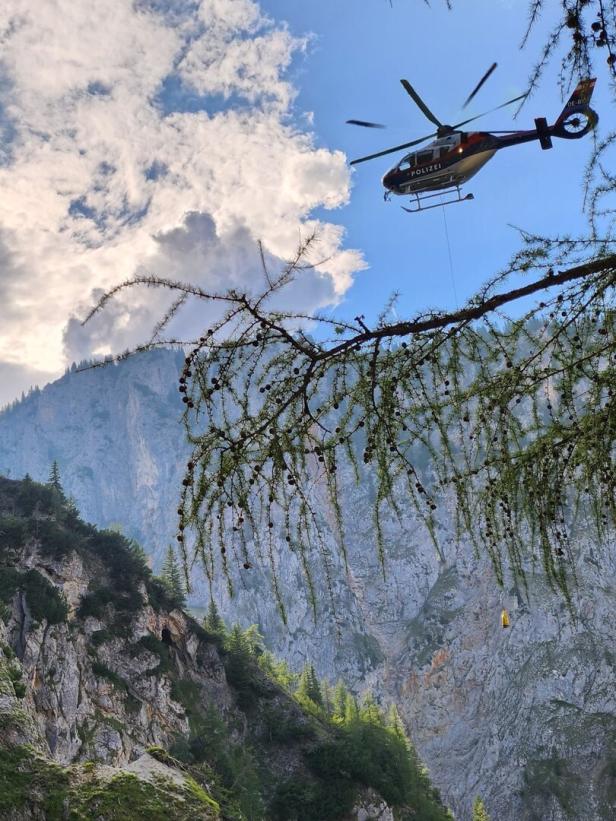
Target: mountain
point(114, 704)
point(524, 717)
point(120, 422)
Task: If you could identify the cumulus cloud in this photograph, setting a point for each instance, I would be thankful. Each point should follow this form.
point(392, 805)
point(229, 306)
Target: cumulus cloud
point(148, 135)
point(16, 380)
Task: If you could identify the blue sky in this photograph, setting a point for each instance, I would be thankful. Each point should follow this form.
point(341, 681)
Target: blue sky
point(170, 135)
point(353, 69)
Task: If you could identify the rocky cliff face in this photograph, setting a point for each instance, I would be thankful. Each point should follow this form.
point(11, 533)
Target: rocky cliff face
point(35, 785)
point(524, 717)
point(115, 431)
point(101, 676)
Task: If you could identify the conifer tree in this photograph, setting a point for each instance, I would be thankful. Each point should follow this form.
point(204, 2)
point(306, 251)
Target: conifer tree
point(237, 662)
point(395, 725)
point(279, 670)
point(254, 640)
point(138, 552)
point(54, 478)
point(213, 622)
point(339, 701)
point(370, 712)
point(479, 811)
point(351, 710)
point(172, 577)
point(309, 686)
point(236, 643)
point(328, 697)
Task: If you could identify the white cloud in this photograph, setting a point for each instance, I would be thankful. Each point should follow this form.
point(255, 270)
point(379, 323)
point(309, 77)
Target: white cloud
point(17, 379)
point(115, 138)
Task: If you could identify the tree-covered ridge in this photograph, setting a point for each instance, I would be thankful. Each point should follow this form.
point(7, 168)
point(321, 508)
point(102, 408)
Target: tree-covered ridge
point(364, 744)
point(341, 747)
point(30, 511)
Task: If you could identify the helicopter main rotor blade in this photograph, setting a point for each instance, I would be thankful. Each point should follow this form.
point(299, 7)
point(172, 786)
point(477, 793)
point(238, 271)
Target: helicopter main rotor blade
point(392, 150)
point(479, 84)
point(365, 124)
point(420, 103)
point(502, 105)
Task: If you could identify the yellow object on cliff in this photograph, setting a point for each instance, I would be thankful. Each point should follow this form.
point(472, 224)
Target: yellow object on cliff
point(504, 618)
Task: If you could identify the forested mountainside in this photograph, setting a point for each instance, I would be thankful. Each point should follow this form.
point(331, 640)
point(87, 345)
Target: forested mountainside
point(524, 716)
point(114, 704)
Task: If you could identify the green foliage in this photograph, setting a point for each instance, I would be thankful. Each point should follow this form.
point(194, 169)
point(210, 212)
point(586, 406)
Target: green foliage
point(365, 747)
point(8, 652)
point(13, 532)
point(172, 578)
point(339, 702)
point(551, 778)
point(253, 640)
point(159, 648)
point(15, 677)
point(159, 595)
point(212, 622)
point(239, 666)
point(479, 810)
point(101, 670)
point(187, 693)
point(59, 531)
point(371, 754)
point(55, 538)
point(23, 775)
point(94, 602)
point(126, 570)
point(32, 498)
point(299, 799)
point(514, 420)
point(239, 786)
point(394, 723)
point(137, 551)
point(369, 712)
point(278, 670)
point(124, 798)
point(285, 728)
point(124, 564)
point(350, 744)
point(54, 478)
point(351, 710)
point(41, 513)
point(33, 785)
point(43, 599)
point(99, 637)
point(309, 688)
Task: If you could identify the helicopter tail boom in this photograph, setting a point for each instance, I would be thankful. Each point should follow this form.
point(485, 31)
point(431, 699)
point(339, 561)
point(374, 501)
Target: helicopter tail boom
point(579, 100)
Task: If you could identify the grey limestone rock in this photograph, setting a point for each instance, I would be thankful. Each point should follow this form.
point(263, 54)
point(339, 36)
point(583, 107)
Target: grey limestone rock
point(524, 717)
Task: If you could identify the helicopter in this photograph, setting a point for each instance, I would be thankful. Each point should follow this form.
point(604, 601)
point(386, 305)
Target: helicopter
point(449, 161)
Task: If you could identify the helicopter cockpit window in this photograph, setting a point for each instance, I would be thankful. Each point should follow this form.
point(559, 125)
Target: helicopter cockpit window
point(406, 162)
point(424, 156)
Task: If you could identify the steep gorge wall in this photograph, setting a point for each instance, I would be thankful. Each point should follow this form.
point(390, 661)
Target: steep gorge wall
point(524, 717)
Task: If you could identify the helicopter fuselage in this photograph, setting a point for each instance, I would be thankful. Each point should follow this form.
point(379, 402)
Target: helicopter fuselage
point(451, 160)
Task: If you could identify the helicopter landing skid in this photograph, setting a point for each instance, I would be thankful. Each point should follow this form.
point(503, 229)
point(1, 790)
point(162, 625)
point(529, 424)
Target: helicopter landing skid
point(419, 201)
